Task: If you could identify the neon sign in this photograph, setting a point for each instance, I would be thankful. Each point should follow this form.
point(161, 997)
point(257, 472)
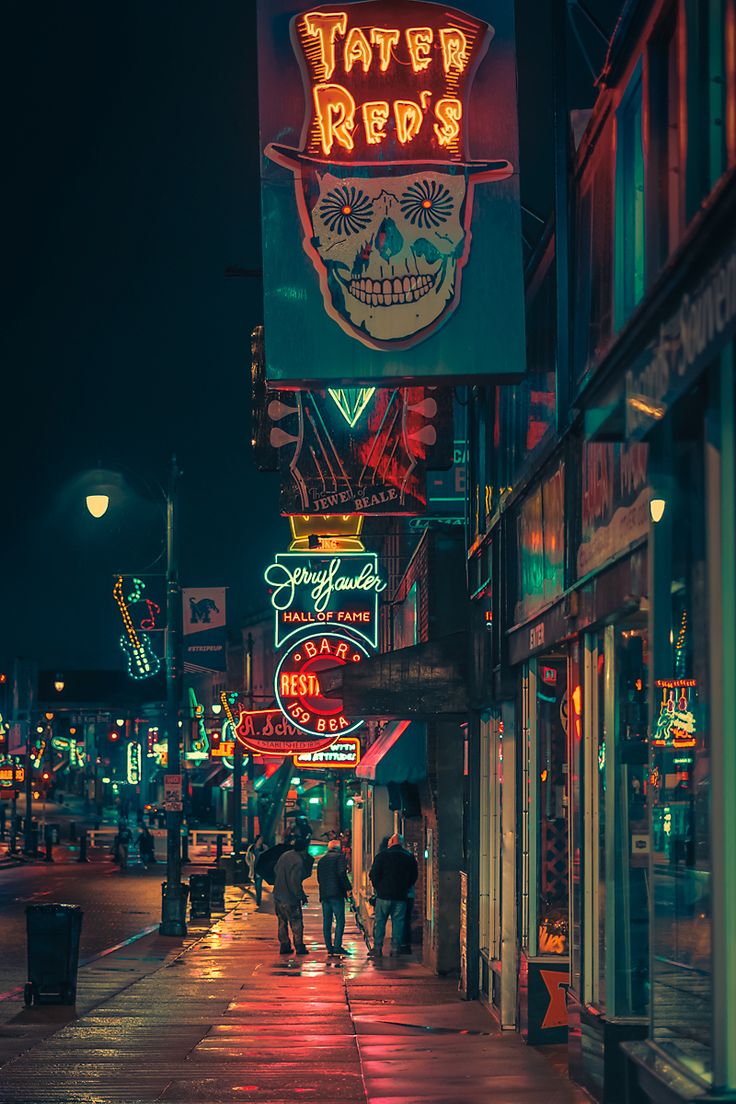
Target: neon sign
point(676, 723)
point(200, 743)
point(143, 662)
point(383, 179)
point(9, 776)
point(134, 763)
point(297, 685)
point(343, 755)
point(338, 590)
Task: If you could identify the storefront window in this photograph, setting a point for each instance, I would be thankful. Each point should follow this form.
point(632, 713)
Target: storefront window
point(575, 739)
point(628, 975)
point(680, 775)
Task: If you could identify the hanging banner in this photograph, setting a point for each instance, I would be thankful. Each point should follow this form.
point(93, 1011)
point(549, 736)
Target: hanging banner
point(344, 754)
point(338, 590)
point(204, 625)
point(389, 134)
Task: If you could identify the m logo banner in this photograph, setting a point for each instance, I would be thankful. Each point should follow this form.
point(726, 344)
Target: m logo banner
point(205, 633)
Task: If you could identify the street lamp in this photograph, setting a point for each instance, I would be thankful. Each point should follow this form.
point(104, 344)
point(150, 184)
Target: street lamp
point(59, 684)
point(97, 504)
point(173, 899)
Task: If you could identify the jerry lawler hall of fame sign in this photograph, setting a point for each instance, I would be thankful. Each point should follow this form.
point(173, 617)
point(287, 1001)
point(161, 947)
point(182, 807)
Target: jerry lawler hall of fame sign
point(336, 591)
point(389, 134)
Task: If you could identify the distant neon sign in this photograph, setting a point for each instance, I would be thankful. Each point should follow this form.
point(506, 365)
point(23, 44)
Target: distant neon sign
point(343, 754)
point(134, 763)
point(676, 723)
point(297, 683)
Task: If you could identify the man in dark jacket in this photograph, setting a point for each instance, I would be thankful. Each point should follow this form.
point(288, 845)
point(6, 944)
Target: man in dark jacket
point(288, 896)
point(393, 873)
point(334, 886)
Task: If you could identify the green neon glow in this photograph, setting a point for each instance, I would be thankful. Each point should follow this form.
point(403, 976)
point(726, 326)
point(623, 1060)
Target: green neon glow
point(351, 401)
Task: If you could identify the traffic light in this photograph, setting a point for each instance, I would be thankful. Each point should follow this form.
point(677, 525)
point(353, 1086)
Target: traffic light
point(114, 736)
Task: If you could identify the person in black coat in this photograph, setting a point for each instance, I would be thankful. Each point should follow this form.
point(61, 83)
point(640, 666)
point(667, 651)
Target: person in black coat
point(334, 886)
point(393, 874)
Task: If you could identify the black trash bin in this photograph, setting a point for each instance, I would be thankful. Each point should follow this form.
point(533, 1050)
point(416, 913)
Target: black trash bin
point(53, 953)
point(199, 896)
point(218, 881)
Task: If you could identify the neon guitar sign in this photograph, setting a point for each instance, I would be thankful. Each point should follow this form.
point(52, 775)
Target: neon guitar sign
point(143, 662)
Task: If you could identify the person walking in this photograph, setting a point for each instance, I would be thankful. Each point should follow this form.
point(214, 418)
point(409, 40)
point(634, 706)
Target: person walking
point(334, 886)
point(146, 847)
point(288, 897)
point(255, 850)
point(121, 845)
point(393, 874)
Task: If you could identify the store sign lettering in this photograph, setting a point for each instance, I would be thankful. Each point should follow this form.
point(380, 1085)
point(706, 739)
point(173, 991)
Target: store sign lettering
point(343, 754)
point(704, 320)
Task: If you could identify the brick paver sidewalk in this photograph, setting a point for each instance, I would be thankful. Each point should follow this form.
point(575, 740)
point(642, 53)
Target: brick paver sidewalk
point(229, 1019)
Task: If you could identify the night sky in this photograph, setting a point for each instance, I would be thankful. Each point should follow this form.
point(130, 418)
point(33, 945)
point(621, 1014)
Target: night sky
point(134, 183)
point(131, 172)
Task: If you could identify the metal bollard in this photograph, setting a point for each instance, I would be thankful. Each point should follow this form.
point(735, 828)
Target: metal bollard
point(48, 835)
point(83, 848)
point(218, 848)
point(218, 879)
point(199, 896)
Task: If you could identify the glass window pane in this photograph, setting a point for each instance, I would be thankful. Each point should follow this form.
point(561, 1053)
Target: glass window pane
point(552, 863)
point(680, 780)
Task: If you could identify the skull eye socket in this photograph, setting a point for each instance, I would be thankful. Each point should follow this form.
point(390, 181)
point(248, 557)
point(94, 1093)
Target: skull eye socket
point(346, 210)
point(426, 203)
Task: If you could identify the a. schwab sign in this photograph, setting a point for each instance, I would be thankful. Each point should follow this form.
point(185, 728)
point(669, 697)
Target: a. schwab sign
point(339, 591)
point(389, 137)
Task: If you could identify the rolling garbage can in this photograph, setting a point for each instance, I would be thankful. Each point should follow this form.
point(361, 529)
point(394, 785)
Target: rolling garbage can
point(53, 953)
point(199, 896)
point(218, 880)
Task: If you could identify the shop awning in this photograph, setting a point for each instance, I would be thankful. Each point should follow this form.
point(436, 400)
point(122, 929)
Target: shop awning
point(398, 755)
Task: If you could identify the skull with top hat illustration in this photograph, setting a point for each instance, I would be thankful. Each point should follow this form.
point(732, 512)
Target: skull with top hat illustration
point(383, 188)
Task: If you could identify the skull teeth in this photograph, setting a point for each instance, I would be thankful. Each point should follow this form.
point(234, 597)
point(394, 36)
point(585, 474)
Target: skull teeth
point(386, 292)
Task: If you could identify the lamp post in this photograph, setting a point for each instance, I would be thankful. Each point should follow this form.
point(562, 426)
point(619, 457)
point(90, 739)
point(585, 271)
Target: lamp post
point(173, 903)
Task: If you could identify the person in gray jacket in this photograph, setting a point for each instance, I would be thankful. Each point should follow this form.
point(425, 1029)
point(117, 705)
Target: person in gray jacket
point(288, 896)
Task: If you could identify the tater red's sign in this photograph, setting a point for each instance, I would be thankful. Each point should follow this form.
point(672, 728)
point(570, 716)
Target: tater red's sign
point(297, 683)
point(396, 120)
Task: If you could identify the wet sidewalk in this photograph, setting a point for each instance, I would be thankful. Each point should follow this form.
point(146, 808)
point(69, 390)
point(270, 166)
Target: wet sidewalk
point(226, 1018)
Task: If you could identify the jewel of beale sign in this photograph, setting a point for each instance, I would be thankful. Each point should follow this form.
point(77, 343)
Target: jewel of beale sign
point(370, 249)
point(337, 591)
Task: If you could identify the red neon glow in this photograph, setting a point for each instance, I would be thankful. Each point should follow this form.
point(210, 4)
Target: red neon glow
point(425, 70)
